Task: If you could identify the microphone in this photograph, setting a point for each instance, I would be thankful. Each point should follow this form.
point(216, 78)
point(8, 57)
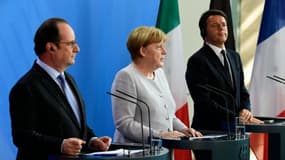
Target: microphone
point(148, 112)
point(222, 94)
point(125, 99)
point(277, 79)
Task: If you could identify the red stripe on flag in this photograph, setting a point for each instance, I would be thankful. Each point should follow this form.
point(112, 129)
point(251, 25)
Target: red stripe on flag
point(182, 154)
point(182, 114)
point(259, 145)
point(282, 114)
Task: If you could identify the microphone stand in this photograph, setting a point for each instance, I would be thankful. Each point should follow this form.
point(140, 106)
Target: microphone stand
point(283, 79)
point(123, 98)
point(148, 112)
point(222, 94)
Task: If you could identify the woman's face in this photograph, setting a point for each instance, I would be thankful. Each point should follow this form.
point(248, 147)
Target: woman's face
point(154, 54)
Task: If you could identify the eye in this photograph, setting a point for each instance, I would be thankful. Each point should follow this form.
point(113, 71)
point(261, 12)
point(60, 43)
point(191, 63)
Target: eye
point(69, 43)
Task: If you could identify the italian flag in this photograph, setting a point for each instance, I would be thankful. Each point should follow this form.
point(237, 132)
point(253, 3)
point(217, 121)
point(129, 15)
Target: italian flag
point(168, 21)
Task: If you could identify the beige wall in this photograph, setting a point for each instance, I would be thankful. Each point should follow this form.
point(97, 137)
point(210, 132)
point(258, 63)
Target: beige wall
point(190, 12)
point(251, 13)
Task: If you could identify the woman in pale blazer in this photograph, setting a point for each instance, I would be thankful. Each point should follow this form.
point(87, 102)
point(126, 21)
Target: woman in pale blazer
point(144, 79)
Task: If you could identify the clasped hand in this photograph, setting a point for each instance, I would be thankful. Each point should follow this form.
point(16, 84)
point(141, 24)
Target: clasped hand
point(73, 146)
point(247, 117)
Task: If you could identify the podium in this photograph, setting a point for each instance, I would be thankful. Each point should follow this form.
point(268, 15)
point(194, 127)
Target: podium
point(161, 154)
point(275, 127)
point(223, 148)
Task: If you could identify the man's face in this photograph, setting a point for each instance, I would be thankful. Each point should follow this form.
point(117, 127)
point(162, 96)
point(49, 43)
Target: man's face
point(67, 47)
point(217, 31)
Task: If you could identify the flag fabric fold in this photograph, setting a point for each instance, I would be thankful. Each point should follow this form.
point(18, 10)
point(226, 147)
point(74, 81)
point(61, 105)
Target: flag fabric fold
point(267, 96)
point(169, 21)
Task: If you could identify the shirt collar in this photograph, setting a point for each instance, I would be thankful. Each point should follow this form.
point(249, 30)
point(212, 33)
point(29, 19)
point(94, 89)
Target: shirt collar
point(51, 71)
point(216, 49)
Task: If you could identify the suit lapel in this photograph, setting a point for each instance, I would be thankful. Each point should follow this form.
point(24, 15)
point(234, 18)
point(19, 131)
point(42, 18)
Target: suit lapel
point(75, 90)
point(55, 91)
point(218, 66)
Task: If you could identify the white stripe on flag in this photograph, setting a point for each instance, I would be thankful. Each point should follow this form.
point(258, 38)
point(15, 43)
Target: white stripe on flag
point(175, 67)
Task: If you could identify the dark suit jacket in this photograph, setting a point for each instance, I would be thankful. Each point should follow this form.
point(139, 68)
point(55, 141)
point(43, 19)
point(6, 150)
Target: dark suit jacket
point(210, 109)
point(41, 116)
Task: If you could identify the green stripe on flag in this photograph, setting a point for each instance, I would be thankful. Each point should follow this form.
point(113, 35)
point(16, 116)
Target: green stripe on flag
point(168, 15)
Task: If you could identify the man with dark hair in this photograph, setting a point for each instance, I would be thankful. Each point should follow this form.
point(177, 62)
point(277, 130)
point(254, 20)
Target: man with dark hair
point(46, 109)
point(215, 66)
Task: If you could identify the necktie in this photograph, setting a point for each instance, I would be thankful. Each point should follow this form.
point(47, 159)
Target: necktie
point(226, 66)
point(70, 97)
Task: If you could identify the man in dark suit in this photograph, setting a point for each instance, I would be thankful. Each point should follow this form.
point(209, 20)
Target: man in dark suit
point(209, 67)
point(47, 113)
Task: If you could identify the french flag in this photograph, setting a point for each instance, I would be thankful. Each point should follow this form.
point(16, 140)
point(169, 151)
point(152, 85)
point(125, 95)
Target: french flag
point(268, 96)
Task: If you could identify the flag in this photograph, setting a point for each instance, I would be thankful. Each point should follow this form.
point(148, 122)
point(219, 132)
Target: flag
point(225, 6)
point(267, 96)
point(169, 21)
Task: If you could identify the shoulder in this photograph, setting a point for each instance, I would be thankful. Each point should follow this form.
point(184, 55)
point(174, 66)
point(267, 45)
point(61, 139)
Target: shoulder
point(127, 76)
point(126, 72)
point(125, 80)
point(233, 54)
point(201, 56)
point(202, 52)
point(30, 81)
point(31, 77)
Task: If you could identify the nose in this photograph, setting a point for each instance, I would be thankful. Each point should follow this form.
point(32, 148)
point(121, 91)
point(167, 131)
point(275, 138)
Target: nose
point(164, 51)
point(76, 48)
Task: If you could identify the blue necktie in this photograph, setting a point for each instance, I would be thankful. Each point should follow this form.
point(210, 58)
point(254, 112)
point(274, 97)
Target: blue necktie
point(70, 97)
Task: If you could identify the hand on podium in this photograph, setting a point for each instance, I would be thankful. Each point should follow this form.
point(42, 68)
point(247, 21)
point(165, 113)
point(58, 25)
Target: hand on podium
point(247, 117)
point(72, 146)
point(254, 120)
point(191, 132)
point(171, 134)
point(101, 143)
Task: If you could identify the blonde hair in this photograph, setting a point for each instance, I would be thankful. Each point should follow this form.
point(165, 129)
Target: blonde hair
point(141, 37)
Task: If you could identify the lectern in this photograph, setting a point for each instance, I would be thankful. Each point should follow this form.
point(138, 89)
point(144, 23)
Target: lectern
point(275, 127)
point(223, 148)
